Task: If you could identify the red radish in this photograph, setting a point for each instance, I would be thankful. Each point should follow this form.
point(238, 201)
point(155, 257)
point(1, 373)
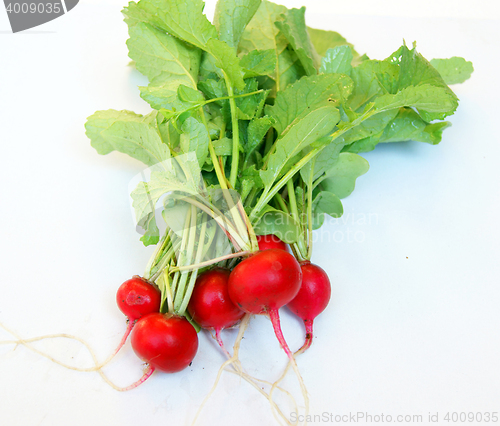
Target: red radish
point(312, 298)
point(210, 305)
point(136, 297)
point(270, 241)
point(166, 342)
point(263, 283)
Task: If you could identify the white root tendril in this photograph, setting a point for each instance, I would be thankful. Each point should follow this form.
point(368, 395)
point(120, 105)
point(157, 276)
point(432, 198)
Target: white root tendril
point(97, 366)
point(237, 369)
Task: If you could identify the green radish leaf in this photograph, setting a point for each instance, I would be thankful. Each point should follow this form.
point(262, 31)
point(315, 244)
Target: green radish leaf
point(182, 19)
point(194, 138)
point(453, 70)
point(156, 53)
point(341, 178)
point(250, 106)
point(231, 17)
point(223, 146)
point(372, 126)
point(257, 129)
point(259, 62)
point(408, 125)
point(100, 121)
point(138, 140)
point(323, 40)
point(213, 89)
point(421, 86)
point(227, 60)
point(288, 70)
point(261, 33)
point(163, 94)
point(305, 95)
point(328, 203)
point(278, 223)
point(293, 26)
point(337, 60)
point(431, 101)
point(187, 94)
point(169, 135)
point(308, 129)
point(372, 79)
point(321, 163)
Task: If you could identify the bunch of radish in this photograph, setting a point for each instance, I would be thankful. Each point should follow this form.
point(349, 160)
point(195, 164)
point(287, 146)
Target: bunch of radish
point(253, 139)
point(262, 283)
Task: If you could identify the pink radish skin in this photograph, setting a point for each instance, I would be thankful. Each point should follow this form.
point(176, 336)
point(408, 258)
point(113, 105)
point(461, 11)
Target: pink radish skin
point(166, 342)
point(312, 298)
point(270, 241)
point(210, 304)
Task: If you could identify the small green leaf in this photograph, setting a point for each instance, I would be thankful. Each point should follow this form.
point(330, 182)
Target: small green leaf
point(231, 17)
point(138, 140)
point(227, 60)
point(223, 146)
point(187, 94)
point(257, 129)
point(453, 70)
point(308, 129)
point(163, 95)
point(259, 62)
point(341, 178)
point(337, 60)
point(324, 40)
point(261, 33)
point(155, 53)
point(100, 121)
point(182, 19)
point(327, 202)
point(293, 26)
point(278, 223)
point(305, 95)
point(194, 138)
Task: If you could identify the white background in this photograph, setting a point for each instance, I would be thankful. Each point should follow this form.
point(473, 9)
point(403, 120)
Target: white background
point(413, 325)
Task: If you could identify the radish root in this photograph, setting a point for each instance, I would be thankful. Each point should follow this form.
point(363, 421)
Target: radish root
point(237, 369)
point(97, 367)
point(275, 320)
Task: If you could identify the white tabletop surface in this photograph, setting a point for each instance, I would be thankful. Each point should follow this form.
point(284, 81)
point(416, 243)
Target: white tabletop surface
point(414, 322)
